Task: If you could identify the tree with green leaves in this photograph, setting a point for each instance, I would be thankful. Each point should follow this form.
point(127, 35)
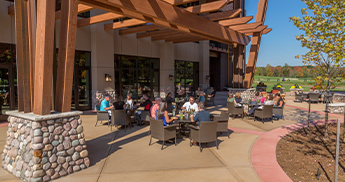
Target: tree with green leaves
point(322, 24)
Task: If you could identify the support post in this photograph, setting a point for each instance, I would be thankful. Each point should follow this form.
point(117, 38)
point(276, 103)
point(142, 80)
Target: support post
point(32, 45)
point(308, 118)
point(68, 31)
point(44, 56)
point(337, 153)
point(23, 61)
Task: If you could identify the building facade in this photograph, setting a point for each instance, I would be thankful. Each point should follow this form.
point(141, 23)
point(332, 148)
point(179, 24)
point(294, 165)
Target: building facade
point(109, 63)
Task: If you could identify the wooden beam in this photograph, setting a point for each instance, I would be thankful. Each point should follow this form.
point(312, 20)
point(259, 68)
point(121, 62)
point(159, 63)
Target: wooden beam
point(258, 29)
point(261, 12)
point(81, 9)
point(264, 32)
point(245, 26)
point(163, 32)
point(143, 28)
point(223, 15)
point(164, 14)
point(44, 56)
point(123, 24)
point(236, 21)
point(98, 19)
point(32, 45)
point(23, 61)
point(253, 57)
point(68, 33)
point(207, 7)
point(10, 10)
point(163, 37)
point(179, 2)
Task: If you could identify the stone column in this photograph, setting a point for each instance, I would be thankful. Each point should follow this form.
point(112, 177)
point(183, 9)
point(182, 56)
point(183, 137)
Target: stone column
point(43, 148)
point(204, 64)
point(166, 68)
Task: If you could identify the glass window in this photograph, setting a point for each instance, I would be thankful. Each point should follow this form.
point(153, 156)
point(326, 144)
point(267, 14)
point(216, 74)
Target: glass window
point(128, 61)
point(143, 63)
point(5, 53)
point(155, 63)
point(186, 78)
point(82, 58)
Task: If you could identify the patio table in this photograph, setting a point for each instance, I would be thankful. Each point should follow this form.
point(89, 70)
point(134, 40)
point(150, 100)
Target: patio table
point(181, 122)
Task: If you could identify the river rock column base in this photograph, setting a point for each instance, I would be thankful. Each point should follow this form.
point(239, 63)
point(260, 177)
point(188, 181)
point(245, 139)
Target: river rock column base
point(43, 148)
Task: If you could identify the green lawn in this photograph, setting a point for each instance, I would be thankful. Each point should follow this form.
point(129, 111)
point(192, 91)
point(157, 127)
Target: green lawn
point(306, 83)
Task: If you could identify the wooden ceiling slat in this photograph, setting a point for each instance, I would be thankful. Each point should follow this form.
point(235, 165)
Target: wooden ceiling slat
point(223, 15)
point(98, 19)
point(143, 28)
point(155, 33)
point(266, 31)
point(178, 2)
point(123, 24)
point(164, 14)
point(245, 26)
point(207, 7)
point(236, 21)
point(81, 9)
point(258, 29)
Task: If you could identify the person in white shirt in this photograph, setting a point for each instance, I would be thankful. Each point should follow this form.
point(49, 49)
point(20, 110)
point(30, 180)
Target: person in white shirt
point(190, 105)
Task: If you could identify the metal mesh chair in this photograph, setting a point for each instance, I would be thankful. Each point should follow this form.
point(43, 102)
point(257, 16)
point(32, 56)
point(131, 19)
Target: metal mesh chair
point(299, 96)
point(223, 122)
point(101, 116)
point(314, 97)
point(279, 111)
point(161, 132)
point(206, 132)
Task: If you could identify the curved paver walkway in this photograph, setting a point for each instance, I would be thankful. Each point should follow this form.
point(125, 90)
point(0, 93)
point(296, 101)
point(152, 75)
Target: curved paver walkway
point(263, 153)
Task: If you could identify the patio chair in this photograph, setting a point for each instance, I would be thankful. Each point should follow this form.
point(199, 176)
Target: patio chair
point(161, 132)
point(265, 112)
point(210, 100)
point(314, 97)
point(120, 118)
point(206, 132)
point(235, 110)
point(145, 116)
point(299, 96)
point(305, 96)
point(279, 111)
point(328, 97)
point(101, 116)
point(223, 123)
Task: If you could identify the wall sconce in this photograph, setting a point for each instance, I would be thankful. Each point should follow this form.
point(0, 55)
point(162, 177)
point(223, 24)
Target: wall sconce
point(207, 77)
point(107, 78)
point(171, 77)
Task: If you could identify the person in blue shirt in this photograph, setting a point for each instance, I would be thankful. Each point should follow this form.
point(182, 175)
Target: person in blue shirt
point(162, 114)
point(105, 105)
point(202, 115)
point(202, 97)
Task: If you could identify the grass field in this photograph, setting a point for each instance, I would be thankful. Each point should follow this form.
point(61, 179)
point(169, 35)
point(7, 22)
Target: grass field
point(306, 83)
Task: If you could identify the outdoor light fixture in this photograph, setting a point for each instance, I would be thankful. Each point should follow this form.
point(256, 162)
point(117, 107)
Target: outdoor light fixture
point(107, 78)
point(207, 77)
point(171, 77)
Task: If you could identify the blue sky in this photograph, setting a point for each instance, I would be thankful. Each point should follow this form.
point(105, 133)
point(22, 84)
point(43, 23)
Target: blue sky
point(280, 45)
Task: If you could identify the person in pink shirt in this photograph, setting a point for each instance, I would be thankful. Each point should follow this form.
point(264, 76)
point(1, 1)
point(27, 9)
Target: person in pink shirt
point(155, 107)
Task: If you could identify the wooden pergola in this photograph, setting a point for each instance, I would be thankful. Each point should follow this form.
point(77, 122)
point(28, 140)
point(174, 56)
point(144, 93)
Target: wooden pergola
point(158, 19)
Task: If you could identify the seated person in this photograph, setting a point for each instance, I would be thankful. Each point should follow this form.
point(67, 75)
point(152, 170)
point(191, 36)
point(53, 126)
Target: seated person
point(259, 98)
point(155, 107)
point(197, 92)
point(202, 115)
point(268, 102)
point(128, 101)
point(147, 104)
point(213, 93)
point(190, 105)
point(279, 101)
point(105, 105)
point(238, 99)
point(118, 105)
point(169, 101)
point(231, 98)
point(162, 114)
point(202, 97)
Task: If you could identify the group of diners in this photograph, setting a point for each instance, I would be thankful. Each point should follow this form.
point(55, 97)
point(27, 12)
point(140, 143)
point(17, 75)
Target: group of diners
point(201, 95)
point(259, 101)
point(158, 110)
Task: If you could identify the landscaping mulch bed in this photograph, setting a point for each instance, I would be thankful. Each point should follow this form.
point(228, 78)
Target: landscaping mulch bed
point(301, 156)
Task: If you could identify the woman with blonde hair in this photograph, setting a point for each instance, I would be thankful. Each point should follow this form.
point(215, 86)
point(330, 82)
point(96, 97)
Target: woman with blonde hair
point(238, 99)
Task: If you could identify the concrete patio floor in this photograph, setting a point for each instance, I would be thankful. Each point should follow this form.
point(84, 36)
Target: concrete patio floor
point(126, 156)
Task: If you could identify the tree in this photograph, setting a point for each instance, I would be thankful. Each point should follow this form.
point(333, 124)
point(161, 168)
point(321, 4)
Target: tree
point(286, 70)
point(258, 71)
point(323, 35)
point(276, 72)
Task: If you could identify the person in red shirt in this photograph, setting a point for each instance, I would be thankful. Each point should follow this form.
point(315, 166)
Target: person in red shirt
point(155, 107)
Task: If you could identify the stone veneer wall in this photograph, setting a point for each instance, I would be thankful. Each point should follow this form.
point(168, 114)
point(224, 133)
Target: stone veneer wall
point(44, 150)
point(98, 96)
